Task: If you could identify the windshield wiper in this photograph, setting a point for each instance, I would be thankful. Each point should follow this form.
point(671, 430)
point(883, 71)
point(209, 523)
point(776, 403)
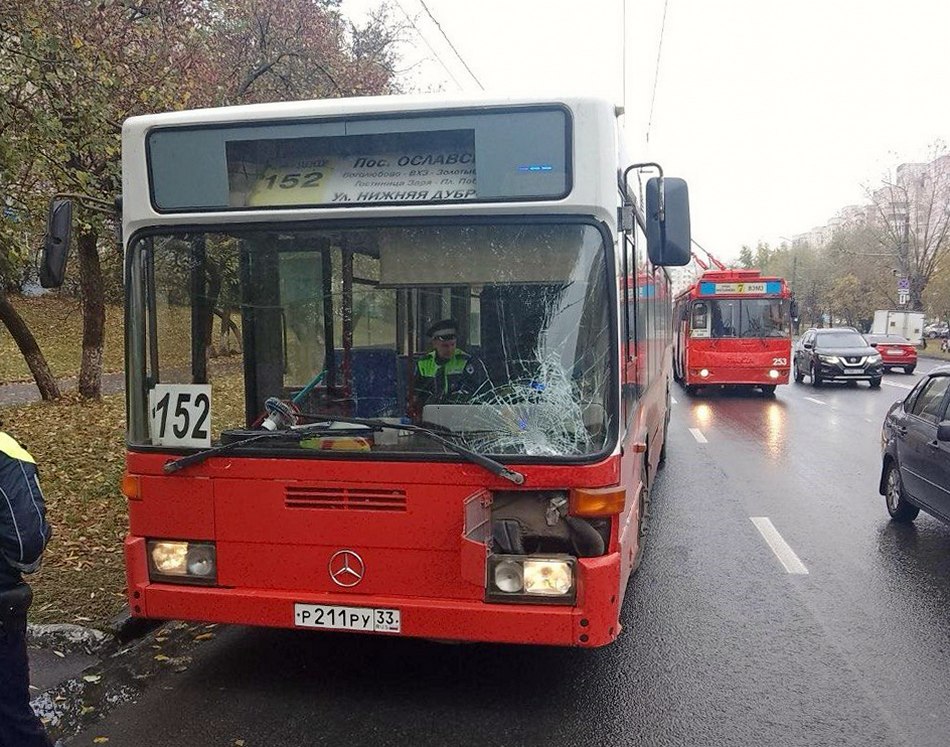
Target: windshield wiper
point(496, 468)
point(292, 434)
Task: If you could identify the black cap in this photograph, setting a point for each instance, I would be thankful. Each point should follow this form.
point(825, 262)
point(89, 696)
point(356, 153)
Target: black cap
point(445, 324)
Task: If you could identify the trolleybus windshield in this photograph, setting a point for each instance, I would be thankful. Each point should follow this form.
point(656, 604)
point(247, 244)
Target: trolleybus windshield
point(335, 321)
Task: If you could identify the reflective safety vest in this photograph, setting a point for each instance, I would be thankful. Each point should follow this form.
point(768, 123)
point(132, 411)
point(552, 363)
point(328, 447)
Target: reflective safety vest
point(13, 450)
point(433, 377)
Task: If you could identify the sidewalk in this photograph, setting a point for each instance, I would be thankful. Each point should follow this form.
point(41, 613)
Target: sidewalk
point(21, 393)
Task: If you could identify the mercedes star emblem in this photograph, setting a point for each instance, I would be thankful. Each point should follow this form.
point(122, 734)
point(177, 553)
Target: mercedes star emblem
point(346, 568)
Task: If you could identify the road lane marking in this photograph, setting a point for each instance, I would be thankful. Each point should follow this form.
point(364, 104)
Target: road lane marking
point(899, 386)
point(673, 400)
point(816, 401)
point(783, 552)
point(698, 435)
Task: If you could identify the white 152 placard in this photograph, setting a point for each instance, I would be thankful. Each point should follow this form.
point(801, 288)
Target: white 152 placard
point(180, 414)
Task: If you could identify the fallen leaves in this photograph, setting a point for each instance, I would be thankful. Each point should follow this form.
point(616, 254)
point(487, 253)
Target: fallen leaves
point(79, 447)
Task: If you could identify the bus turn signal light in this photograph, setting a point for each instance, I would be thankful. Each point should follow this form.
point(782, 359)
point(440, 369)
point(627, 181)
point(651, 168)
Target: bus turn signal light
point(597, 501)
point(131, 487)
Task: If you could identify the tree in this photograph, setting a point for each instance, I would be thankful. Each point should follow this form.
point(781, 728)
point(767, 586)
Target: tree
point(75, 71)
point(912, 218)
point(19, 220)
point(284, 50)
point(746, 260)
point(937, 294)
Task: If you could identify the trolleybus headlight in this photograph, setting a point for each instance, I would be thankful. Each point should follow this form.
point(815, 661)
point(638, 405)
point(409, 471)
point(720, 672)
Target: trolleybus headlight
point(182, 562)
point(704, 372)
point(773, 374)
point(526, 579)
point(509, 576)
point(553, 578)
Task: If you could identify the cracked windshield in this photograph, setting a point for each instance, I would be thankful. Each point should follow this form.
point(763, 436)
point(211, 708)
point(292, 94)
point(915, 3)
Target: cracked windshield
point(495, 336)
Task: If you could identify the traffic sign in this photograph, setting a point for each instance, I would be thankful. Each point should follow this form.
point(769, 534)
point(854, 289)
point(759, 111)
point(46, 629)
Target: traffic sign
point(903, 296)
point(903, 284)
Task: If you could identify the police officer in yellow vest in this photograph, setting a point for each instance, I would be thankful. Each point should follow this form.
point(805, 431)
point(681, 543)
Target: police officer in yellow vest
point(23, 537)
point(447, 373)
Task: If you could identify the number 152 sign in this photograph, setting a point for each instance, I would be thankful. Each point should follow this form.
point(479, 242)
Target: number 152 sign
point(180, 414)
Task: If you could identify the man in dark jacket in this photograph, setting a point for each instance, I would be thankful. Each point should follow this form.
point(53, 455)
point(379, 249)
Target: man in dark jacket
point(23, 537)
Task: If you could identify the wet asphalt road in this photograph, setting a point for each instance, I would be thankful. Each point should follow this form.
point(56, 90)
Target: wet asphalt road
point(722, 646)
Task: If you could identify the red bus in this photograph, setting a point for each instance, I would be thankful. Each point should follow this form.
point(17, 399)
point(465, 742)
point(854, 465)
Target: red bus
point(733, 327)
point(282, 473)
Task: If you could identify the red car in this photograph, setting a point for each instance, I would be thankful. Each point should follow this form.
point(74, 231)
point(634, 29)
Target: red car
point(896, 351)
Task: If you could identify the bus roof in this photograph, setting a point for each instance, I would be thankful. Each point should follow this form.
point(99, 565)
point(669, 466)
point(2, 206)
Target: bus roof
point(591, 131)
point(359, 105)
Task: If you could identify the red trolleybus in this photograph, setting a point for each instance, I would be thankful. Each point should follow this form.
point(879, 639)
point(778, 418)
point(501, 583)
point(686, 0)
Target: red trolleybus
point(733, 328)
point(282, 473)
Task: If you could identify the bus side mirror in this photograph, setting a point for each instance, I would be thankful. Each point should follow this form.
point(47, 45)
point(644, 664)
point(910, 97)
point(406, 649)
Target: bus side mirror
point(667, 219)
point(793, 310)
point(59, 226)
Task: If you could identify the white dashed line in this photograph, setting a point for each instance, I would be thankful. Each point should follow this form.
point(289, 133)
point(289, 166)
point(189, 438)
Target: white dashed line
point(673, 400)
point(698, 435)
point(816, 401)
point(783, 552)
point(899, 386)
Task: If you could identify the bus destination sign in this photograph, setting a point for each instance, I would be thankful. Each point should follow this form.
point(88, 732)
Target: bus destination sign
point(769, 287)
point(433, 176)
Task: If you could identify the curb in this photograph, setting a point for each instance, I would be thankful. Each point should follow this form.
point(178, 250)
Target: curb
point(126, 628)
point(69, 639)
point(75, 639)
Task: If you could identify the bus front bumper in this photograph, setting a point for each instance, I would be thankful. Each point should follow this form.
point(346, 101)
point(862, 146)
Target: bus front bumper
point(593, 621)
point(723, 376)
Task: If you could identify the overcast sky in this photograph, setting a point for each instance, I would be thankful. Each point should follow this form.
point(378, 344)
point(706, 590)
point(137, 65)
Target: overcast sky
point(777, 113)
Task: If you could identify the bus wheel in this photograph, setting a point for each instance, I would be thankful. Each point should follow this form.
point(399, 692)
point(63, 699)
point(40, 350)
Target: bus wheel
point(691, 389)
point(768, 390)
point(641, 529)
point(666, 433)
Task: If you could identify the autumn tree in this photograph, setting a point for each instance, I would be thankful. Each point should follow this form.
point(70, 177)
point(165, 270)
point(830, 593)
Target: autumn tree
point(21, 182)
point(87, 66)
point(911, 214)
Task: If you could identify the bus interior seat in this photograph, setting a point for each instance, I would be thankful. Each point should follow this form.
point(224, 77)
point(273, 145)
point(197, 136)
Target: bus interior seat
point(375, 373)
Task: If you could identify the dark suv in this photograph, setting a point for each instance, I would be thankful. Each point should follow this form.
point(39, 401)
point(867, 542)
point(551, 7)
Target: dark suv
point(837, 354)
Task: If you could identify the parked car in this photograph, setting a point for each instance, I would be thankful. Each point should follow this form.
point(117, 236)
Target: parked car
point(935, 330)
point(915, 442)
point(837, 354)
point(896, 351)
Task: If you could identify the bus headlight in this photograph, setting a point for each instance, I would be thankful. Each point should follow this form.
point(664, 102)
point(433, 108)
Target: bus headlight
point(531, 579)
point(548, 577)
point(509, 577)
point(182, 562)
point(773, 374)
point(704, 373)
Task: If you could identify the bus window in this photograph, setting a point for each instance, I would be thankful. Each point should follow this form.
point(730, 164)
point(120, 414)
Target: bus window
point(700, 322)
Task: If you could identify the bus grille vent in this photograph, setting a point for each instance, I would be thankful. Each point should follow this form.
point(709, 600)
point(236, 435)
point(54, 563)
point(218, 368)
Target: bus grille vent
point(345, 499)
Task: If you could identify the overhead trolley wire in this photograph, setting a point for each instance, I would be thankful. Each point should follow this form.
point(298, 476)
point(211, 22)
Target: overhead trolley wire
point(445, 36)
point(431, 49)
point(656, 76)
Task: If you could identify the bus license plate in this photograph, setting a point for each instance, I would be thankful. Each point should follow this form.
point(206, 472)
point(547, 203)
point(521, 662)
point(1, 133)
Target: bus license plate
point(372, 619)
